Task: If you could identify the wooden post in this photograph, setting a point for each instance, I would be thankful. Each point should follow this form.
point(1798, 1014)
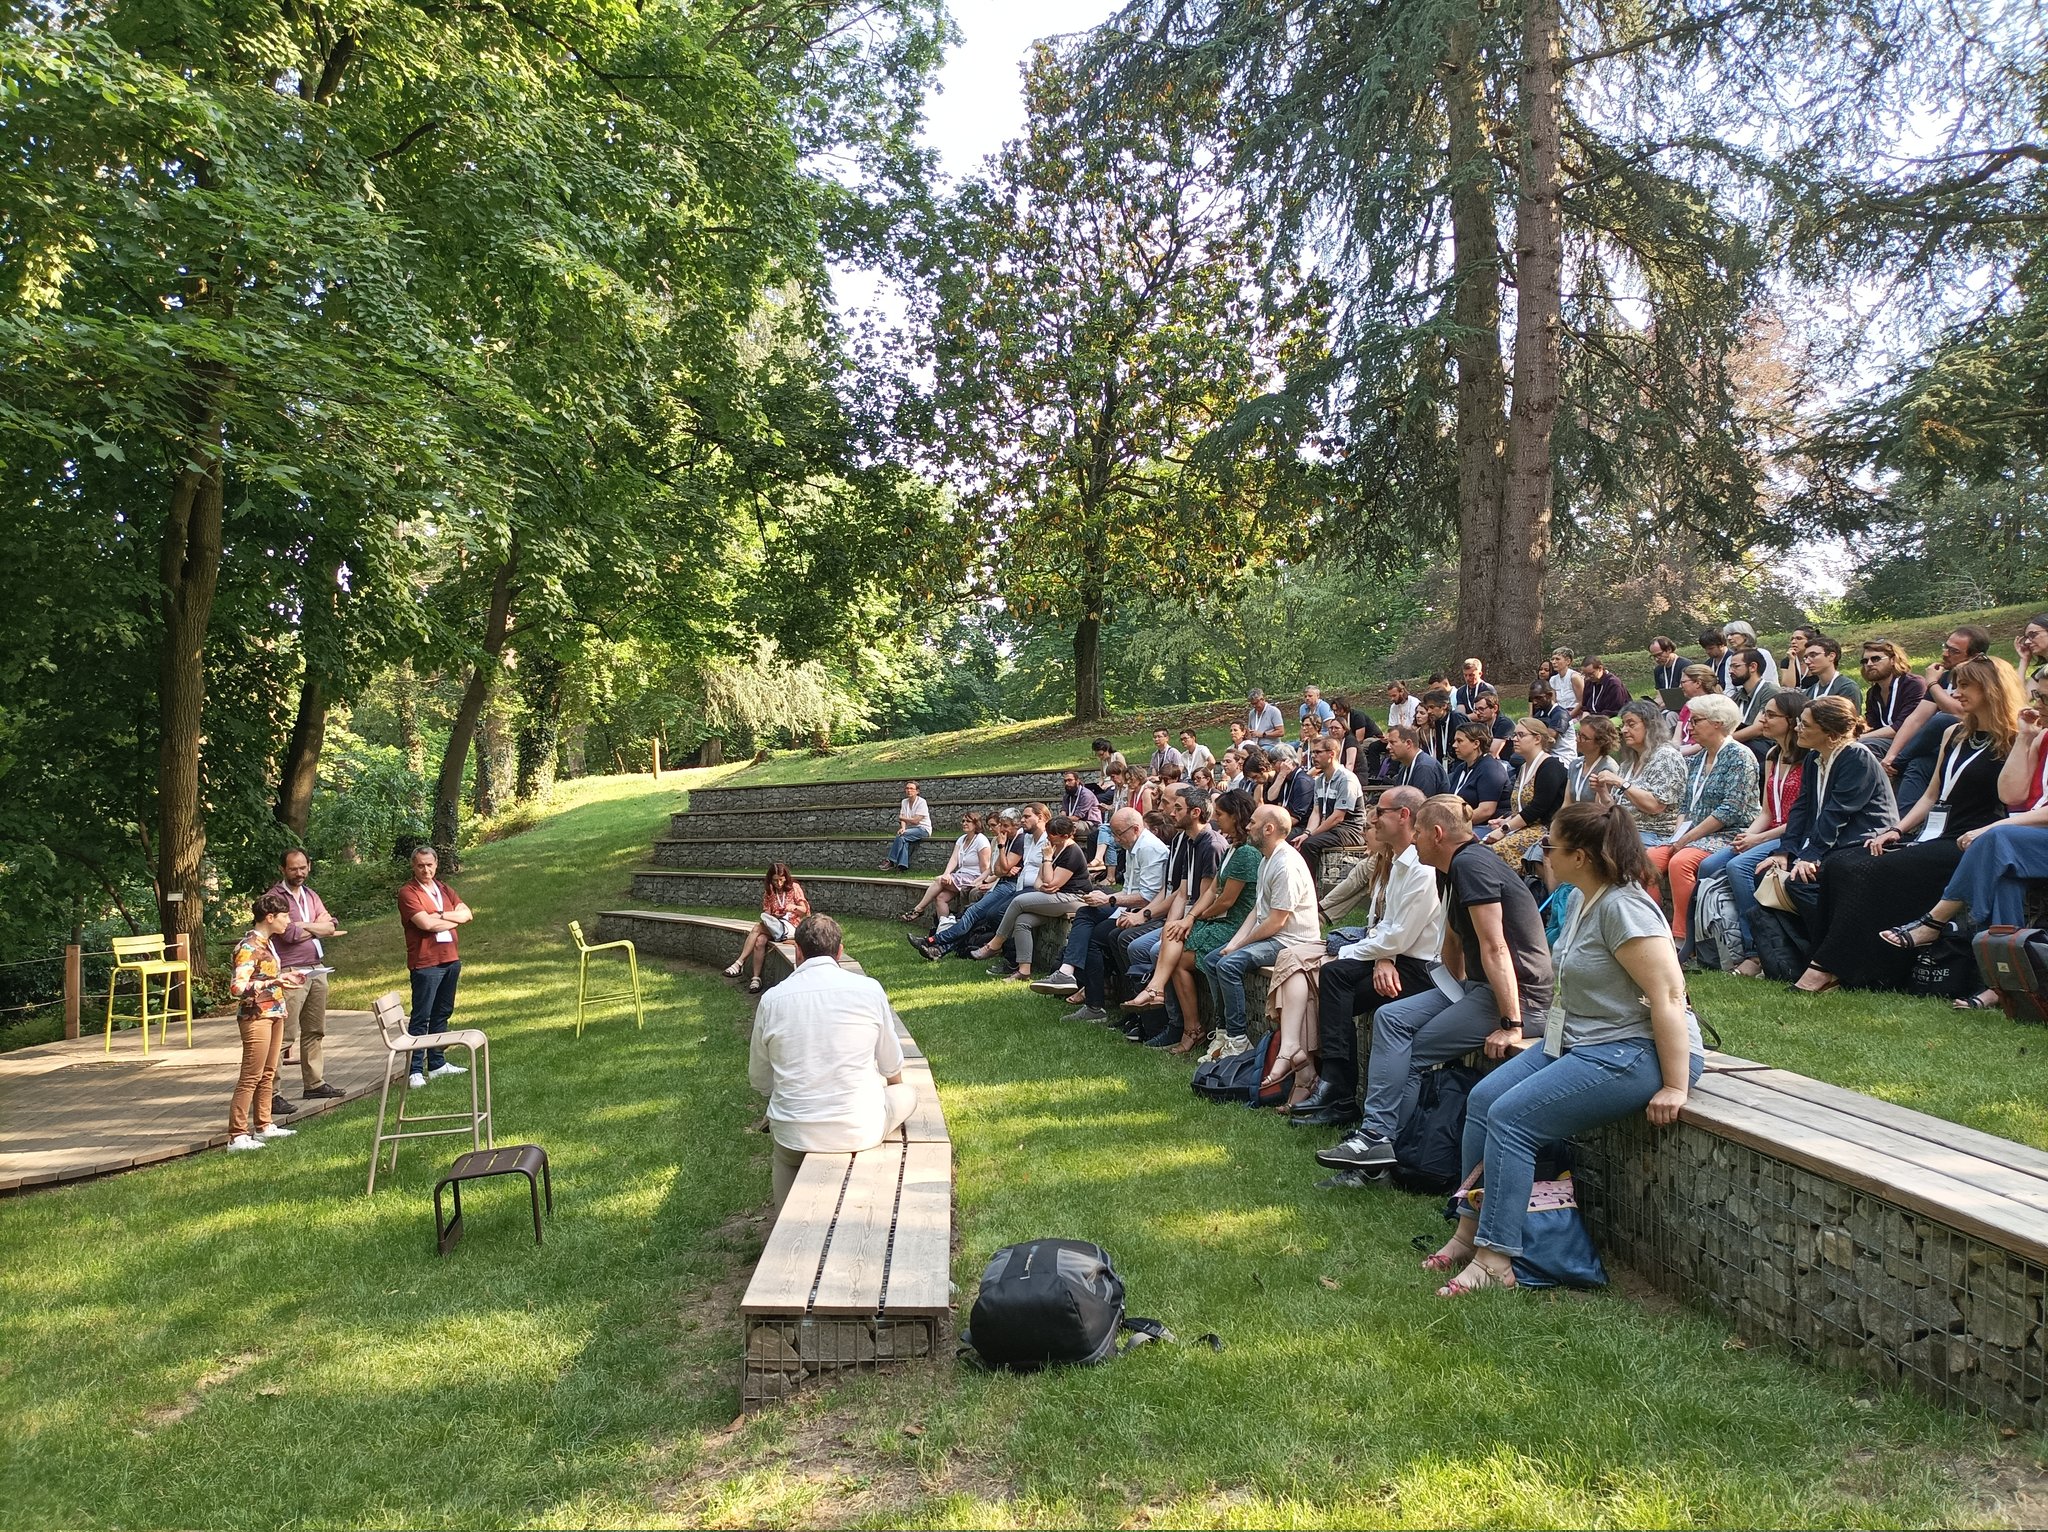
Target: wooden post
point(74, 970)
point(656, 742)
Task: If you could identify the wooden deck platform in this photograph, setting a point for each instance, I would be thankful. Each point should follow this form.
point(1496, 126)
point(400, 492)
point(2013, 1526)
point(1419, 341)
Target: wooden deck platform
point(69, 1110)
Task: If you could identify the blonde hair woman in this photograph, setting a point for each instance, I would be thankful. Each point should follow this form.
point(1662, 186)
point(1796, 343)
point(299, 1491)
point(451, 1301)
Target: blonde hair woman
point(1536, 792)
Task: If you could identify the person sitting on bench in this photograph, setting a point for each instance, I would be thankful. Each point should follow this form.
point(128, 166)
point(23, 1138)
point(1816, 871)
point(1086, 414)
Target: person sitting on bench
point(826, 1056)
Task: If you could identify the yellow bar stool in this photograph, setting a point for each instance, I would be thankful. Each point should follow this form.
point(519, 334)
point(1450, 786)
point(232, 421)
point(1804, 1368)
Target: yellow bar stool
point(146, 957)
point(583, 996)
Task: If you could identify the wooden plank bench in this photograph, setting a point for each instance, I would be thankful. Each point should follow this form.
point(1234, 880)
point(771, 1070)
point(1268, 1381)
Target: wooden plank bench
point(857, 1271)
point(1858, 1233)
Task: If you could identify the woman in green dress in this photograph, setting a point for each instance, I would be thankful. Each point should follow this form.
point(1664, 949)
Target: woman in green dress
point(1209, 923)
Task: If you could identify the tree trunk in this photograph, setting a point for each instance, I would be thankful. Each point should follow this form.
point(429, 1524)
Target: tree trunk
point(407, 704)
point(188, 568)
point(540, 734)
point(1539, 275)
point(1475, 348)
point(448, 785)
point(1088, 664)
point(484, 789)
point(302, 757)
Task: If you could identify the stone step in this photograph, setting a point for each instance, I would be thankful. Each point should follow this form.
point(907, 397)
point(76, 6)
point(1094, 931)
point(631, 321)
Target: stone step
point(808, 819)
point(872, 898)
point(834, 853)
point(1001, 787)
point(710, 942)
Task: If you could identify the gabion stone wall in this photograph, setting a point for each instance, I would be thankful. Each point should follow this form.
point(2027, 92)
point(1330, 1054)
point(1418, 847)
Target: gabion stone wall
point(1838, 1275)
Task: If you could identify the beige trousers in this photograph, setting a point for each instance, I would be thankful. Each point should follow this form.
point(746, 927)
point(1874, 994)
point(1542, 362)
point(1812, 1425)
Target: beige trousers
point(261, 1038)
point(902, 1102)
point(305, 1026)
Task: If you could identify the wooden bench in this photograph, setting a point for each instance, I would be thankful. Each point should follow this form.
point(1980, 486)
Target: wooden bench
point(857, 1271)
point(1858, 1233)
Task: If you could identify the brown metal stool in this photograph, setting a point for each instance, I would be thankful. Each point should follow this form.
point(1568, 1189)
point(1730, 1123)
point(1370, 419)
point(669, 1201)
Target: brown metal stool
point(512, 1160)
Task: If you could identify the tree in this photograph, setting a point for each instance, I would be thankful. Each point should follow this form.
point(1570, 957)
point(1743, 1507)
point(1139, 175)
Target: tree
point(1098, 313)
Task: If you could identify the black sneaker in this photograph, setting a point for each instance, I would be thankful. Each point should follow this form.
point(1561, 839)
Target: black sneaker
point(1360, 1150)
point(1345, 1180)
point(1001, 970)
point(279, 1107)
point(1086, 1013)
point(323, 1092)
point(926, 947)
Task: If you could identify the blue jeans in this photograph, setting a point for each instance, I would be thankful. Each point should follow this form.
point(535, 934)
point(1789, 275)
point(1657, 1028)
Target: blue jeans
point(1226, 971)
point(1413, 1033)
point(433, 1002)
point(1107, 851)
point(1533, 1101)
point(1988, 879)
point(901, 847)
point(1145, 953)
point(987, 910)
point(1741, 869)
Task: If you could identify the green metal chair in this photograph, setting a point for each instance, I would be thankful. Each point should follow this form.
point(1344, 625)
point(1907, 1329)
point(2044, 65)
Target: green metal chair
point(584, 999)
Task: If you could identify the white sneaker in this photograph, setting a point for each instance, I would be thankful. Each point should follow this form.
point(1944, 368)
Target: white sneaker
point(445, 1068)
point(276, 1131)
point(417, 1081)
point(243, 1141)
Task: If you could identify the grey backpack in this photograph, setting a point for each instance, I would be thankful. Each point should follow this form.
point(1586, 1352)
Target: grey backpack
point(1717, 934)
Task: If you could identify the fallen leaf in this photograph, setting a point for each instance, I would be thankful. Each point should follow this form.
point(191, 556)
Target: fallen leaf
point(913, 1430)
point(1735, 1343)
point(271, 1390)
point(1330, 1282)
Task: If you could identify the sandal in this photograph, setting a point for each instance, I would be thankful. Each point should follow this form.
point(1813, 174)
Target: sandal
point(1819, 989)
point(1283, 1064)
point(911, 917)
point(1446, 1260)
point(733, 972)
point(1145, 1000)
point(1983, 1000)
point(754, 985)
point(1189, 1042)
point(1748, 968)
point(1902, 936)
point(1475, 1278)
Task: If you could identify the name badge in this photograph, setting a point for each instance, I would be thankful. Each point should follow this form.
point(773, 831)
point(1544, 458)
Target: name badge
point(1553, 1032)
point(1937, 821)
point(444, 936)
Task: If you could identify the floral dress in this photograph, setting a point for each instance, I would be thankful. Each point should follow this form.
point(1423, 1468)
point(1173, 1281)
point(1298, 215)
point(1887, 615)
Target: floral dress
point(1727, 793)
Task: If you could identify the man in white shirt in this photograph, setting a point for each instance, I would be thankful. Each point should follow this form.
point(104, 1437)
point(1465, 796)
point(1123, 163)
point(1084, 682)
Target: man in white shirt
point(1195, 753)
point(1338, 818)
point(1284, 911)
point(825, 1054)
point(1386, 960)
point(1262, 720)
point(1103, 913)
point(1401, 708)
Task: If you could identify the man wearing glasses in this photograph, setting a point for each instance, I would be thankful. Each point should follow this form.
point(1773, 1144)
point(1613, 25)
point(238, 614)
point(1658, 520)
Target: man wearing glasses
point(1910, 761)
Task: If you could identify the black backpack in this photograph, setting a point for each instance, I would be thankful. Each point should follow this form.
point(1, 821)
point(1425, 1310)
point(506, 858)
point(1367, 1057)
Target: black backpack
point(1237, 1077)
point(1048, 1301)
point(1429, 1145)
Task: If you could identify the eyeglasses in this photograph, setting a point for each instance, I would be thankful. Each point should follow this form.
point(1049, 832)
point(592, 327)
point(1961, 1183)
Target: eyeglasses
point(1547, 844)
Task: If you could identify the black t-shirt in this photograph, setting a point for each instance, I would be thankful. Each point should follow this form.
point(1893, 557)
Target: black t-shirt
point(1015, 847)
point(1203, 854)
point(1477, 876)
point(1075, 860)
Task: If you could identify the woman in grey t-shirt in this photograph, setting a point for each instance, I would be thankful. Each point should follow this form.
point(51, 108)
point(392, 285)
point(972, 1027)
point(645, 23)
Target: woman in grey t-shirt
point(1619, 1040)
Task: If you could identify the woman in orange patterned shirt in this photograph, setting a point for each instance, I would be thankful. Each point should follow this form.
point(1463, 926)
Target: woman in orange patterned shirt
point(259, 984)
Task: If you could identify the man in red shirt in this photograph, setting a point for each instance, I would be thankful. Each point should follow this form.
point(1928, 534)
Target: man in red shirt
point(431, 911)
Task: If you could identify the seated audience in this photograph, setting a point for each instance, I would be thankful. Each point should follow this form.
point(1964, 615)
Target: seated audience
point(1117, 790)
point(783, 905)
point(1494, 946)
point(1240, 736)
point(1409, 765)
point(1286, 785)
point(1101, 918)
point(825, 1053)
point(1751, 690)
point(1893, 691)
point(1988, 887)
point(1548, 711)
point(1081, 805)
point(1062, 881)
point(1720, 800)
point(1695, 681)
point(1364, 750)
point(1900, 869)
point(1567, 686)
point(1401, 707)
point(1823, 673)
point(1313, 706)
point(1603, 693)
point(1473, 685)
point(1016, 871)
point(1388, 958)
point(1795, 669)
point(1203, 777)
point(1666, 665)
point(1649, 776)
point(1283, 911)
point(1540, 783)
point(1621, 1040)
point(964, 871)
point(1474, 775)
point(1844, 799)
point(1783, 767)
point(1439, 724)
point(1336, 818)
point(1599, 743)
point(913, 824)
point(1741, 636)
point(1715, 643)
point(1195, 854)
point(1107, 755)
point(1211, 921)
point(1499, 729)
point(1262, 720)
point(2030, 646)
point(1163, 753)
point(1194, 754)
point(1909, 759)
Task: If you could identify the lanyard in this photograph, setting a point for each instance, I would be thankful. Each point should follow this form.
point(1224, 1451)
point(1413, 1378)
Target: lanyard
point(1522, 787)
point(1779, 781)
point(1956, 768)
point(434, 893)
point(1699, 785)
point(1891, 701)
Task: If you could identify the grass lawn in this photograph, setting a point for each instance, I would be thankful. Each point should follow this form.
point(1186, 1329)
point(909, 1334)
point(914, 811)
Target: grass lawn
point(249, 1340)
point(1056, 743)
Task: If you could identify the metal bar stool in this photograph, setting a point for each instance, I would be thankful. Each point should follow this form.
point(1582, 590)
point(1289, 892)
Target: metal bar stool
point(146, 958)
point(399, 1047)
point(584, 997)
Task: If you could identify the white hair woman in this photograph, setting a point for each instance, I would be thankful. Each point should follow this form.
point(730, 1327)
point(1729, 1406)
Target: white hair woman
point(1720, 800)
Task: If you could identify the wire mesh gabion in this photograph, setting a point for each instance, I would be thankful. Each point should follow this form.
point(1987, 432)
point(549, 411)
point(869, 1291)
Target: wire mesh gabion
point(784, 1354)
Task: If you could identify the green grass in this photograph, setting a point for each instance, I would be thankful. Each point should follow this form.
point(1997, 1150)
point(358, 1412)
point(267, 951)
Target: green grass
point(1056, 743)
point(249, 1340)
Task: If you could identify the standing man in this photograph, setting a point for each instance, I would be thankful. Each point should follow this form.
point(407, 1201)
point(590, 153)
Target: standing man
point(1471, 688)
point(1498, 957)
point(301, 951)
point(826, 1055)
point(1283, 911)
point(1164, 755)
point(431, 913)
point(1262, 720)
point(1337, 817)
point(1824, 677)
point(1390, 960)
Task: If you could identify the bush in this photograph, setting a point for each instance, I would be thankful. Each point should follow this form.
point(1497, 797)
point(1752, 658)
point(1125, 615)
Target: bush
point(366, 800)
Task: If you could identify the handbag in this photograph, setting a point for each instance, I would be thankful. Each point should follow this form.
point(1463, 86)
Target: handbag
point(1772, 894)
point(1557, 1250)
point(778, 928)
